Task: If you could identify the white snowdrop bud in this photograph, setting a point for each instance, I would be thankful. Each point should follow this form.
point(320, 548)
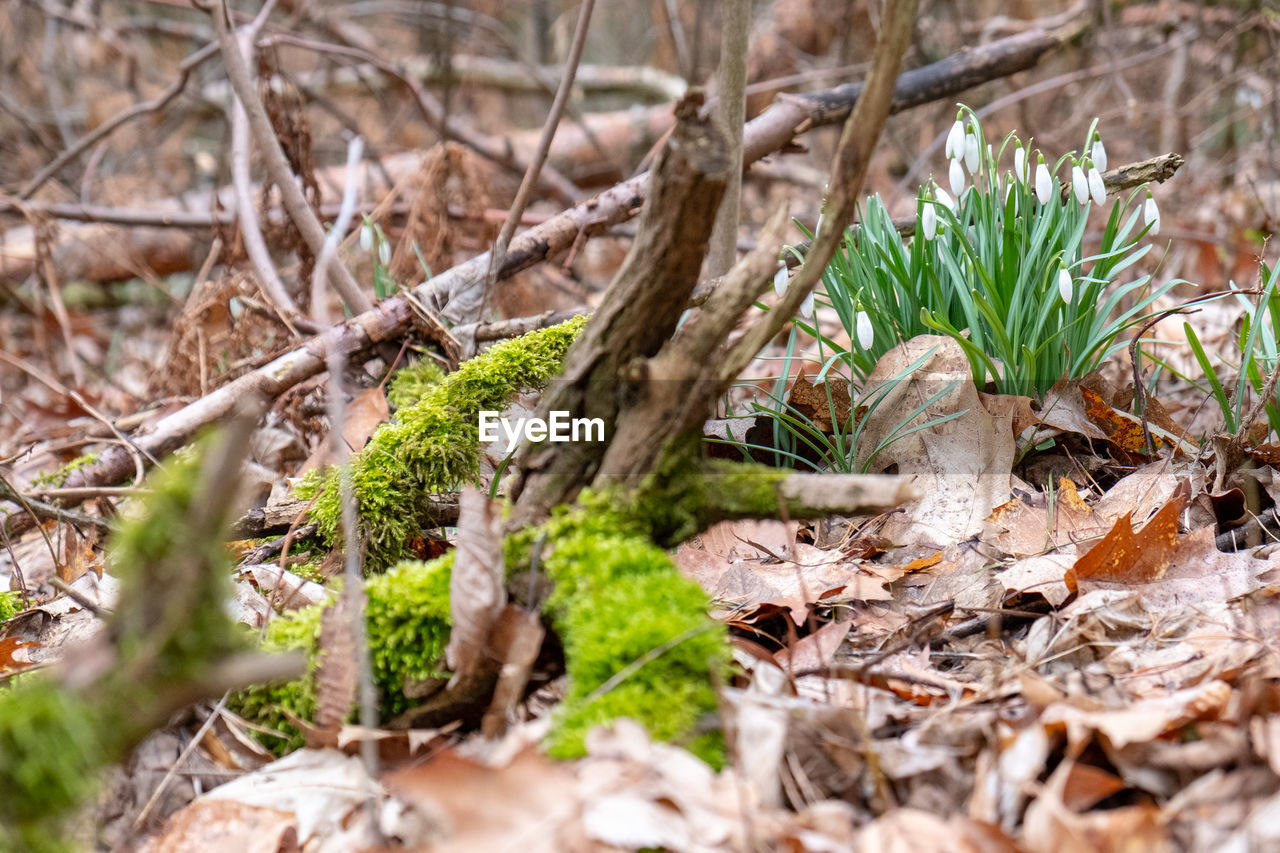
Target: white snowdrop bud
point(1020, 163)
point(384, 252)
point(929, 221)
point(866, 333)
point(1097, 189)
point(1098, 153)
point(806, 307)
point(366, 237)
point(955, 140)
point(945, 197)
point(1044, 182)
point(971, 153)
point(1079, 184)
point(956, 176)
point(1151, 214)
point(780, 279)
point(1065, 285)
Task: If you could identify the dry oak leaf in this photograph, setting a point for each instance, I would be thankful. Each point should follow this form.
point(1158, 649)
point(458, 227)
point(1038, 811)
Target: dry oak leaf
point(962, 466)
point(1124, 556)
point(1027, 530)
point(820, 402)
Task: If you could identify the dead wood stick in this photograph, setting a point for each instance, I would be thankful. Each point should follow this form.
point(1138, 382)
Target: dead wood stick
point(768, 132)
point(120, 119)
point(277, 165)
point(530, 179)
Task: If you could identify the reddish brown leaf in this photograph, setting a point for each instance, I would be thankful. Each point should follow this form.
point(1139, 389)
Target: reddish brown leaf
point(1124, 556)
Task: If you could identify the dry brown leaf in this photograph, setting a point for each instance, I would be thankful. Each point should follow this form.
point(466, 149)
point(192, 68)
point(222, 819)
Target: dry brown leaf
point(363, 414)
point(962, 466)
point(1027, 529)
point(819, 402)
point(477, 593)
point(1143, 720)
point(814, 575)
point(1124, 556)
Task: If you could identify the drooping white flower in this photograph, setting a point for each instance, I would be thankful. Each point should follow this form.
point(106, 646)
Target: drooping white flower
point(806, 307)
point(1079, 184)
point(1066, 286)
point(366, 237)
point(929, 220)
point(866, 333)
point(384, 252)
point(1044, 182)
point(945, 197)
point(1151, 214)
point(1097, 189)
point(971, 152)
point(1098, 153)
point(955, 140)
point(1020, 163)
point(956, 176)
point(780, 279)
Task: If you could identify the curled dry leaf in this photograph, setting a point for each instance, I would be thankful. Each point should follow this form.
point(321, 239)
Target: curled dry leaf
point(962, 466)
point(476, 592)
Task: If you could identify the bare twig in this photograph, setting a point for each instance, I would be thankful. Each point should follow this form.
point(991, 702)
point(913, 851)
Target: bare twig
point(277, 166)
point(861, 131)
point(731, 112)
point(530, 179)
point(108, 127)
point(246, 212)
point(354, 573)
point(433, 111)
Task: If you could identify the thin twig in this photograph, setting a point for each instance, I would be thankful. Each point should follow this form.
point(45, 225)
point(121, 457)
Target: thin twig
point(195, 741)
point(277, 166)
point(106, 128)
point(530, 180)
point(255, 245)
point(354, 574)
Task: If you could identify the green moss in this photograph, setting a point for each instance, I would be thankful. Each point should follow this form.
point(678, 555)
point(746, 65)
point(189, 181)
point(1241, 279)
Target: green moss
point(407, 615)
point(59, 477)
point(10, 604)
point(410, 384)
point(619, 599)
point(433, 445)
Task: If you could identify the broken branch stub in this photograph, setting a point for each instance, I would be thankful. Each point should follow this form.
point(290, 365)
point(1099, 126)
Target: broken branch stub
point(605, 369)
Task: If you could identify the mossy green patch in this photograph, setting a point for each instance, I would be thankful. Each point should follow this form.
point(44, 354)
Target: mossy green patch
point(410, 384)
point(407, 617)
point(9, 604)
point(433, 445)
point(58, 478)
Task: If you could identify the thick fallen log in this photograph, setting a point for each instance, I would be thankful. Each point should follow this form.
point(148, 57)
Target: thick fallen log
point(458, 289)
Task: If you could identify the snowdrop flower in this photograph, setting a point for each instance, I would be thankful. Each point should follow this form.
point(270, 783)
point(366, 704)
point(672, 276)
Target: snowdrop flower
point(866, 334)
point(1098, 154)
point(384, 252)
point(1151, 214)
point(955, 139)
point(1065, 285)
point(1079, 184)
point(971, 152)
point(943, 196)
point(806, 307)
point(1044, 182)
point(780, 279)
point(1020, 163)
point(929, 220)
point(956, 176)
point(1097, 189)
point(366, 237)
